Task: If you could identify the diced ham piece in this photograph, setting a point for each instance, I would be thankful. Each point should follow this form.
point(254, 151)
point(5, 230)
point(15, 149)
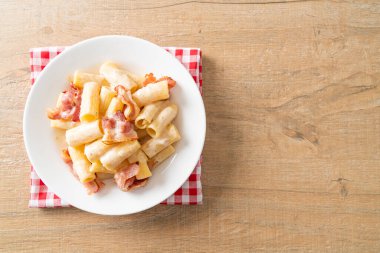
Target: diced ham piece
point(69, 107)
point(132, 110)
point(117, 129)
point(125, 177)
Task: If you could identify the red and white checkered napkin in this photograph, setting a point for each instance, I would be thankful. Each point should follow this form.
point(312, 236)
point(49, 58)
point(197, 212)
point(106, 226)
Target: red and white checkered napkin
point(189, 193)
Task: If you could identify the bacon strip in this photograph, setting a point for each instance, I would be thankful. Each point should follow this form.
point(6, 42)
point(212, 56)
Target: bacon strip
point(125, 178)
point(132, 110)
point(93, 186)
point(171, 82)
point(117, 129)
point(138, 183)
point(150, 78)
point(69, 107)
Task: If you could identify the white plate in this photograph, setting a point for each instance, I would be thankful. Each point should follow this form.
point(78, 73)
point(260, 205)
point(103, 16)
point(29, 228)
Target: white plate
point(140, 57)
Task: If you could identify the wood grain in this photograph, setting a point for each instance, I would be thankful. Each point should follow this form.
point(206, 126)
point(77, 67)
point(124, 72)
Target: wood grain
point(291, 160)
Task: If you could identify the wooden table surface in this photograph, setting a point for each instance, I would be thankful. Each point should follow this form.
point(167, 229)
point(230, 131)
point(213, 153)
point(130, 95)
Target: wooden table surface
point(291, 159)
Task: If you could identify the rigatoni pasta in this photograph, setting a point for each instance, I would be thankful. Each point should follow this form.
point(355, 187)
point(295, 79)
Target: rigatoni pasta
point(155, 145)
point(89, 108)
point(161, 156)
point(144, 171)
point(84, 133)
point(124, 164)
point(81, 165)
point(116, 76)
point(151, 93)
point(63, 124)
point(147, 114)
point(117, 124)
point(162, 120)
point(117, 154)
point(96, 149)
point(114, 106)
point(106, 95)
point(97, 167)
point(136, 78)
point(80, 78)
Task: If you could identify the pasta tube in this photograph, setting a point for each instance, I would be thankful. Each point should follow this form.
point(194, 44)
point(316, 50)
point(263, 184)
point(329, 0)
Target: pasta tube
point(89, 108)
point(84, 133)
point(117, 154)
point(104, 176)
point(141, 158)
point(116, 76)
point(94, 150)
point(81, 165)
point(106, 96)
point(97, 167)
point(134, 157)
point(151, 93)
point(144, 171)
point(162, 156)
point(138, 79)
point(115, 105)
point(147, 114)
point(155, 145)
point(63, 124)
point(123, 165)
point(80, 78)
point(162, 120)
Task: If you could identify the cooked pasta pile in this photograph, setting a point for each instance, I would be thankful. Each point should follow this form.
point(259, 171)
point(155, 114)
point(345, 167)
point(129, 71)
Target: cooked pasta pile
point(117, 125)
